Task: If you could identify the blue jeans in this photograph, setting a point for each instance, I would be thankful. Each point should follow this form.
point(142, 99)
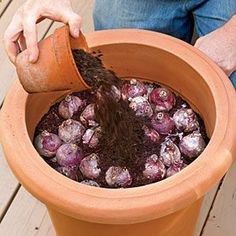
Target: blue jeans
point(174, 17)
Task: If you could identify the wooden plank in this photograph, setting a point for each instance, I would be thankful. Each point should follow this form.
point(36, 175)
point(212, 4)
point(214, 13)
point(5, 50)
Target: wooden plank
point(222, 217)
point(206, 206)
point(6, 68)
point(84, 9)
point(3, 6)
point(8, 183)
point(46, 228)
point(23, 216)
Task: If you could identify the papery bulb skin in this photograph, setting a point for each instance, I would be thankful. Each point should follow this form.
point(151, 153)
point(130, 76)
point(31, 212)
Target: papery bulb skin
point(133, 89)
point(172, 170)
point(162, 123)
point(68, 171)
point(185, 120)
point(162, 99)
point(71, 131)
point(90, 183)
point(151, 134)
point(69, 106)
point(47, 144)
point(118, 177)
point(154, 169)
point(192, 145)
point(91, 137)
point(69, 154)
point(89, 166)
point(141, 106)
point(170, 154)
point(88, 117)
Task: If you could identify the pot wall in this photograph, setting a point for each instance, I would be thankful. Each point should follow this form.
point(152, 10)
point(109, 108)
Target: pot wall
point(179, 223)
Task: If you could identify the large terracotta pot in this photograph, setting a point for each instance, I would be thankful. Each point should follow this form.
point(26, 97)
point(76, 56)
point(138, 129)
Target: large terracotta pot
point(169, 207)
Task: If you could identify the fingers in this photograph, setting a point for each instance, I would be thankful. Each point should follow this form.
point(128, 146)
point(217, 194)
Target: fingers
point(74, 22)
point(12, 49)
point(198, 42)
point(30, 35)
point(15, 41)
point(11, 36)
point(21, 34)
point(72, 19)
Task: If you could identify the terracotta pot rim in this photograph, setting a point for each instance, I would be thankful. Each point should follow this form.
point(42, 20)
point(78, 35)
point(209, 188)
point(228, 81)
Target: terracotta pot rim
point(119, 205)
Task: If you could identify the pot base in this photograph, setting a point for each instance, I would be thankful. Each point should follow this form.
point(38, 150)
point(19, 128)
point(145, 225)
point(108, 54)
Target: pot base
point(182, 223)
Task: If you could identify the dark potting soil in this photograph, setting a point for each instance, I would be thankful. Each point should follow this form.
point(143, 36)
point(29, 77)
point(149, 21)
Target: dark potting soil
point(93, 71)
point(122, 134)
point(122, 142)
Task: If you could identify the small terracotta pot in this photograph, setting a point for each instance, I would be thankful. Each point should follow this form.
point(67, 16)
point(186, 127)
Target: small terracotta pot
point(55, 68)
point(169, 207)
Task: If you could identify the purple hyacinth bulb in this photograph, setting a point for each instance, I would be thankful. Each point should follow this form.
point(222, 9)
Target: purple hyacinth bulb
point(173, 170)
point(141, 106)
point(118, 177)
point(154, 168)
point(69, 106)
point(151, 134)
point(162, 98)
point(133, 89)
point(170, 154)
point(69, 154)
point(68, 171)
point(89, 166)
point(47, 144)
point(71, 131)
point(90, 183)
point(87, 117)
point(91, 137)
point(162, 123)
point(185, 120)
point(192, 145)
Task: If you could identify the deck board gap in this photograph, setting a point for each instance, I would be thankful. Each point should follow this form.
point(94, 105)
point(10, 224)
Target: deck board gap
point(46, 32)
point(5, 8)
point(212, 204)
point(9, 202)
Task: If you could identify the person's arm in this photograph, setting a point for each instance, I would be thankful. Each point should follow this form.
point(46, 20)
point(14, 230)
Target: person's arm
point(22, 31)
point(220, 46)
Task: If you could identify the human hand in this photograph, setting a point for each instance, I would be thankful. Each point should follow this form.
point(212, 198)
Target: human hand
point(21, 33)
point(220, 46)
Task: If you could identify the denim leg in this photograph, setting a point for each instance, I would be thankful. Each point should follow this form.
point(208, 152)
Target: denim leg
point(212, 15)
point(166, 16)
point(233, 79)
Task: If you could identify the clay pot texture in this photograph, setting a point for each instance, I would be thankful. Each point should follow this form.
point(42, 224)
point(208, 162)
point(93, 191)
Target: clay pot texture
point(55, 68)
point(169, 207)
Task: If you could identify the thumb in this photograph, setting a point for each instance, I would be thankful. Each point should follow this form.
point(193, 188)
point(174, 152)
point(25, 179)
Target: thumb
point(74, 21)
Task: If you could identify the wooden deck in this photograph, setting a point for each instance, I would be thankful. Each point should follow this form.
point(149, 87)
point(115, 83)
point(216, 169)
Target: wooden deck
point(21, 214)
